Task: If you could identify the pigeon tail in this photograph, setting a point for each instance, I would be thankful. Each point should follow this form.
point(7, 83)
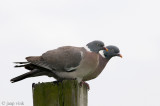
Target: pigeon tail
point(20, 62)
point(26, 75)
point(26, 65)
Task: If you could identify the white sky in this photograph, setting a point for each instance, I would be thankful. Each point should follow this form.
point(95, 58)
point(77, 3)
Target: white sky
point(32, 27)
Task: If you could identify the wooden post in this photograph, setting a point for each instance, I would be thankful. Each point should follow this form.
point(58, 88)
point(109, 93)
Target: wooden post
point(65, 93)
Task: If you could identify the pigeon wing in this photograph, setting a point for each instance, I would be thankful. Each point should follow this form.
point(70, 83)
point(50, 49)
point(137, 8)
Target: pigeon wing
point(65, 58)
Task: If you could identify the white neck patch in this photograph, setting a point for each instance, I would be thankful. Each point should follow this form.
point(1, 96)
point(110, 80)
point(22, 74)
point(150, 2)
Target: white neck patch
point(102, 54)
point(86, 47)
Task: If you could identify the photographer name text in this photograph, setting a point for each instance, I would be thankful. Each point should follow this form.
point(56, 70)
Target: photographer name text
point(11, 103)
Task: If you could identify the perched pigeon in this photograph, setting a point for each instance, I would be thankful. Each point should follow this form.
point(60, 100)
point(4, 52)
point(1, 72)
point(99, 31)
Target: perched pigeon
point(104, 57)
point(66, 62)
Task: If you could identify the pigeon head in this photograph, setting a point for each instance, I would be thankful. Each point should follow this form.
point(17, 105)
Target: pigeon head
point(112, 51)
point(96, 46)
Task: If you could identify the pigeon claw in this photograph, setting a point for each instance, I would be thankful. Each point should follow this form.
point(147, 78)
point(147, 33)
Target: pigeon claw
point(84, 83)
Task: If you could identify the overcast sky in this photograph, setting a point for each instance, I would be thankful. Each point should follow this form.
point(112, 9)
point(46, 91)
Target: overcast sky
point(30, 28)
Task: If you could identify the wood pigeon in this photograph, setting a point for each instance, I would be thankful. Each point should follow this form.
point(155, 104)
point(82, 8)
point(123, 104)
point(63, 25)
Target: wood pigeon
point(65, 62)
point(104, 57)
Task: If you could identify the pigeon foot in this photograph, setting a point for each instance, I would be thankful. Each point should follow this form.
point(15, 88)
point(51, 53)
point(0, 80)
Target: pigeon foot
point(84, 83)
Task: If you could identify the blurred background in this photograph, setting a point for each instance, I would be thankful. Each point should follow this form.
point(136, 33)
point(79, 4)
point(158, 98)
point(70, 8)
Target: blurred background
point(30, 28)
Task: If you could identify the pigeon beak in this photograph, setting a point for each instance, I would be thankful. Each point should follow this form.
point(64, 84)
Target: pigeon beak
point(106, 49)
point(120, 55)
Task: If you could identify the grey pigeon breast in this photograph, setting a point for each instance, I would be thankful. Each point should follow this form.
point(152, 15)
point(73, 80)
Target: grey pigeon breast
point(98, 70)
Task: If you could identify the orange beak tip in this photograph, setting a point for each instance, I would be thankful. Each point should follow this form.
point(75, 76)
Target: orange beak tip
point(120, 56)
point(106, 49)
